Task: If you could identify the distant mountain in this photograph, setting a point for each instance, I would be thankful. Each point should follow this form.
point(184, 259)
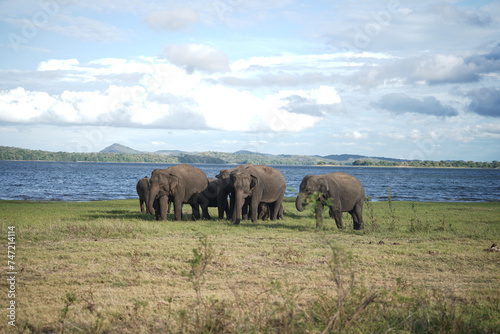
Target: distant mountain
point(344, 157)
point(352, 157)
point(118, 148)
point(241, 152)
point(171, 152)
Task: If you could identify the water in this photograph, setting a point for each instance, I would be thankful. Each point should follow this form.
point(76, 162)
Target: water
point(79, 181)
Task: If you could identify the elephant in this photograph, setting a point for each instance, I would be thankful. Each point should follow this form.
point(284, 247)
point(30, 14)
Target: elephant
point(182, 184)
point(143, 192)
point(255, 184)
point(210, 198)
point(226, 189)
point(266, 209)
point(345, 192)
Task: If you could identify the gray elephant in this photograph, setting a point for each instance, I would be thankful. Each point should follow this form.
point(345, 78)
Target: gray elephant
point(182, 184)
point(256, 184)
point(344, 191)
point(210, 198)
point(226, 190)
point(143, 192)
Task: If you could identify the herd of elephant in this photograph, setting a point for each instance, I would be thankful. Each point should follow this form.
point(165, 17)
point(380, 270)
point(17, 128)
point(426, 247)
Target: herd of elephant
point(246, 192)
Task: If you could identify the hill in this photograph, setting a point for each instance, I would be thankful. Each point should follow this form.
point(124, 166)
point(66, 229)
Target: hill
point(172, 152)
point(118, 148)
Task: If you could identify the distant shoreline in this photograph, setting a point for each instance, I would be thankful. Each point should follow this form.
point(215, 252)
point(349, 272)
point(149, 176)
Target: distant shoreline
point(236, 158)
point(235, 164)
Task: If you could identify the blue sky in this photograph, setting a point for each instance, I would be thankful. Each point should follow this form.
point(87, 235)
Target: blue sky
point(394, 78)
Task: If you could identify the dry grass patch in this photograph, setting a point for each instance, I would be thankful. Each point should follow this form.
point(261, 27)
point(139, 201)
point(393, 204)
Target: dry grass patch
point(103, 267)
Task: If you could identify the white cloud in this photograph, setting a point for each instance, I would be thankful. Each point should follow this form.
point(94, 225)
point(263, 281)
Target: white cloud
point(20, 106)
point(201, 57)
point(172, 19)
point(164, 96)
point(58, 65)
point(443, 68)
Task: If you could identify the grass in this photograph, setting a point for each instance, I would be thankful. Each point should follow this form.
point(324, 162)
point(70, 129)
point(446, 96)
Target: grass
point(103, 267)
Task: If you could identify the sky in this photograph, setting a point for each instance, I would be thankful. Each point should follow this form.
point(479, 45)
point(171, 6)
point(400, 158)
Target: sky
point(390, 78)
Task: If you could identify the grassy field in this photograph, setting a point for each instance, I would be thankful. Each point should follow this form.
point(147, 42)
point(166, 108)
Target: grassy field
point(103, 267)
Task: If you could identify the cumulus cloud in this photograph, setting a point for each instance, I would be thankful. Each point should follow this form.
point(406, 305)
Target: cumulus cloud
point(444, 69)
point(172, 19)
point(434, 69)
point(163, 97)
point(315, 103)
point(485, 101)
point(400, 103)
point(200, 57)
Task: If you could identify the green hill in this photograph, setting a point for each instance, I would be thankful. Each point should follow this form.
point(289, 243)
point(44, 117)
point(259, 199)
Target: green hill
point(118, 148)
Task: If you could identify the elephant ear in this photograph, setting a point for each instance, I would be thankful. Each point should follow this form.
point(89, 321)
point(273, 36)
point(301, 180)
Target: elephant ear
point(323, 186)
point(232, 178)
point(173, 181)
point(253, 182)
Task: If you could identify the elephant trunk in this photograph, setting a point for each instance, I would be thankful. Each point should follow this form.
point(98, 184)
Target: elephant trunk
point(154, 189)
point(240, 200)
point(299, 201)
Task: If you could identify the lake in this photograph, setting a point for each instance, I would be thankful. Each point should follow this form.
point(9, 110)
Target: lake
point(88, 181)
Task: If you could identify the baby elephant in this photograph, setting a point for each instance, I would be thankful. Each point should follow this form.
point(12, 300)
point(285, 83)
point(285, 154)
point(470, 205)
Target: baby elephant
point(143, 192)
point(266, 209)
point(344, 192)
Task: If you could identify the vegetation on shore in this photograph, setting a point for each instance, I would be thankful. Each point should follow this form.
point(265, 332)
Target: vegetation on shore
point(12, 153)
point(427, 163)
point(103, 267)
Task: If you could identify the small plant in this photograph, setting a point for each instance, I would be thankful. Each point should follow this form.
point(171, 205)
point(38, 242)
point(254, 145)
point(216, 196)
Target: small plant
point(202, 256)
point(318, 202)
point(374, 223)
point(351, 300)
point(416, 223)
point(392, 212)
point(68, 300)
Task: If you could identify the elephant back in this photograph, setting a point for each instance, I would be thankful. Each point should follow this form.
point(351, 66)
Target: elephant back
point(349, 184)
point(193, 179)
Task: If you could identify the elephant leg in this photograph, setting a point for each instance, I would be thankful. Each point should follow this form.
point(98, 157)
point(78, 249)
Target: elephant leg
point(254, 208)
point(206, 215)
point(196, 211)
point(232, 204)
point(358, 213)
point(141, 203)
point(228, 214)
point(246, 209)
point(337, 215)
point(163, 207)
point(222, 204)
point(354, 216)
point(178, 209)
point(331, 212)
point(263, 211)
point(275, 210)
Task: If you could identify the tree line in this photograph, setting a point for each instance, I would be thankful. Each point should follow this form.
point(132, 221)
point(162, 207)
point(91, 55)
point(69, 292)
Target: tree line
point(13, 153)
point(428, 163)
